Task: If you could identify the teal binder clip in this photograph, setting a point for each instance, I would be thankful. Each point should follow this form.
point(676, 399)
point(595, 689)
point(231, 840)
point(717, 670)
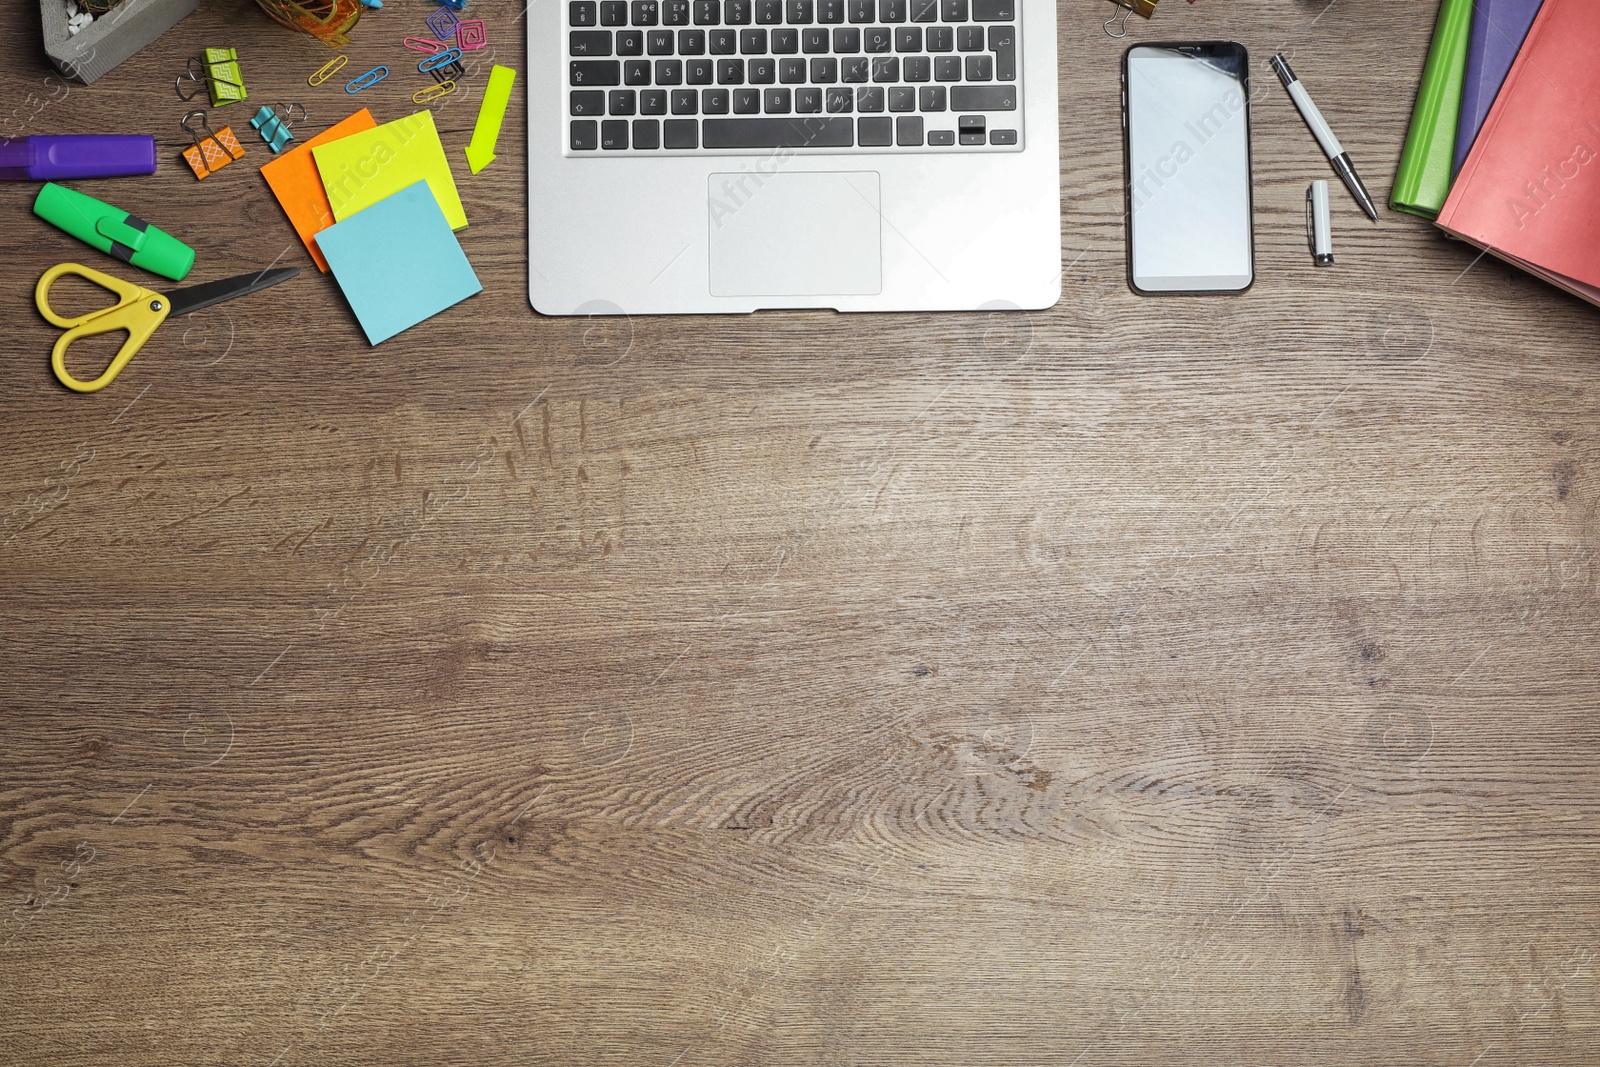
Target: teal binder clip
point(274, 127)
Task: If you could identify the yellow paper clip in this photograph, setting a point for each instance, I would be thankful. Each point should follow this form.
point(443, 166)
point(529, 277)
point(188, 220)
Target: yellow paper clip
point(329, 69)
point(433, 92)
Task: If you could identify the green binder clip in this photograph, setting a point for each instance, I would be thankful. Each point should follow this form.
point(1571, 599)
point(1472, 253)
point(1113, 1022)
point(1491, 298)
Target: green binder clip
point(218, 71)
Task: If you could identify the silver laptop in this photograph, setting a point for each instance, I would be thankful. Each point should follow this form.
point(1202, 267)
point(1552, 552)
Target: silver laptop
point(708, 156)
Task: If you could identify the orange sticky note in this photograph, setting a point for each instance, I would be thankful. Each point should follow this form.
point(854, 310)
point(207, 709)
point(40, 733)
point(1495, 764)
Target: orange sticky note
point(297, 185)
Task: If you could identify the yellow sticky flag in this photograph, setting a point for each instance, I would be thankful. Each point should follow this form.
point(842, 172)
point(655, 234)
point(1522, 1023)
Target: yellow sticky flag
point(364, 168)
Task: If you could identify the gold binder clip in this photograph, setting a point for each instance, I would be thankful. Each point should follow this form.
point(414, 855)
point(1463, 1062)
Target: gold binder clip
point(1129, 8)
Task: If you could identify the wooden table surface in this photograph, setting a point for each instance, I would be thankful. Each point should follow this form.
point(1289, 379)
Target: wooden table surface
point(1144, 681)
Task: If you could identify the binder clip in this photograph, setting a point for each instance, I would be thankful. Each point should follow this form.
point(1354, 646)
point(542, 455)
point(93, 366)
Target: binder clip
point(211, 151)
point(273, 127)
point(367, 80)
point(1129, 8)
point(433, 92)
point(217, 70)
point(329, 69)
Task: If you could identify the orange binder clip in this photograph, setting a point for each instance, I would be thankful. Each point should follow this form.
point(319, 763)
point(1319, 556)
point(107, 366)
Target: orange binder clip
point(211, 151)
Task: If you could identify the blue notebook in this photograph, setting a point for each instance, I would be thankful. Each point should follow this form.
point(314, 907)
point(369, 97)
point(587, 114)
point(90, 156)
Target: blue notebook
point(1498, 27)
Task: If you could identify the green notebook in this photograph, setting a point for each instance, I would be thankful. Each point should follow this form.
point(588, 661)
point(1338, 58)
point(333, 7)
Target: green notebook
point(1423, 180)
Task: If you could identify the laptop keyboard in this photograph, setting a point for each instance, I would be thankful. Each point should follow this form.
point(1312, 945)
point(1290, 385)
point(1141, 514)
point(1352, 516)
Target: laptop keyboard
point(650, 76)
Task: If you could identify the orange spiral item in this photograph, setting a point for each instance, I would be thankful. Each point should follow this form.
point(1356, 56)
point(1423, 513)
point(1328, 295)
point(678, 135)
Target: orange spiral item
point(329, 21)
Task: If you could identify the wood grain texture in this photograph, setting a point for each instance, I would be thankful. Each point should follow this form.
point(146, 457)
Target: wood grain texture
point(1182, 681)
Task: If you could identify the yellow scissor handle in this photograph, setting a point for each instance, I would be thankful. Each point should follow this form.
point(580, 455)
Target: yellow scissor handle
point(137, 310)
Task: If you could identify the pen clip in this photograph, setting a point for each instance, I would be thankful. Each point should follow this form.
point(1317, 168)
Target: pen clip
point(1311, 222)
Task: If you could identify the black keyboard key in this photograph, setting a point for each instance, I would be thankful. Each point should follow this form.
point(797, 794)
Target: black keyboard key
point(675, 13)
point(1002, 136)
point(924, 10)
point(941, 39)
point(941, 137)
point(691, 42)
point(953, 10)
point(840, 101)
point(947, 68)
point(588, 102)
point(596, 72)
point(813, 42)
point(630, 42)
point(785, 42)
point(714, 101)
point(980, 68)
point(747, 101)
point(623, 101)
point(908, 39)
point(824, 71)
point(877, 39)
point(969, 129)
point(669, 72)
point(792, 71)
point(685, 101)
point(614, 134)
point(582, 13)
point(680, 133)
point(652, 101)
point(585, 135)
point(830, 12)
point(1003, 43)
point(722, 42)
point(736, 12)
point(875, 132)
point(930, 98)
point(763, 71)
point(869, 99)
point(891, 10)
point(699, 71)
point(983, 98)
point(775, 101)
point(916, 69)
point(779, 133)
point(730, 72)
point(846, 39)
point(862, 11)
point(707, 12)
point(659, 42)
point(969, 38)
point(994, 10)
point(646, 133)
point(902, 98)
point(855, 69)
point(808, 101)
point(636, 72)
point(769, 12)
point(799, 12)
point(886, 69)
point(753, 42)
point(614, 13)
point(646, 12)
point(908, 131)
point(589, 43)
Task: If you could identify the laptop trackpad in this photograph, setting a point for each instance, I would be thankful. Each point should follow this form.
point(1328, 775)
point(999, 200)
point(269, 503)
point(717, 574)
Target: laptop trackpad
point(795, 234)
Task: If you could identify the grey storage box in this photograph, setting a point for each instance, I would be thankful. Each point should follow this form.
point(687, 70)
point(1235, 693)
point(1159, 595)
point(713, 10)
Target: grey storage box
point(111, 38)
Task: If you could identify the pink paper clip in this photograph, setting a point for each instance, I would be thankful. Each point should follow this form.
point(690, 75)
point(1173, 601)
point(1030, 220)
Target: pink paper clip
point(422, 44)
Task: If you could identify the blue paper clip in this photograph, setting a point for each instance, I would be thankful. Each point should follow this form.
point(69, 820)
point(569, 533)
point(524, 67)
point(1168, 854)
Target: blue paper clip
point(443, 59)
point(368, 80)
point(274, 128)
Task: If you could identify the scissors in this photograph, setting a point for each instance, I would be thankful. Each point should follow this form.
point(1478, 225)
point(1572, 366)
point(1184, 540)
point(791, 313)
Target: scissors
point(137, 310)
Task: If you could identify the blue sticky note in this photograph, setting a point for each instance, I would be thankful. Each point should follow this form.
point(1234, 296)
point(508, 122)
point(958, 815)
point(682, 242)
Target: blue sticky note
point(398, 262)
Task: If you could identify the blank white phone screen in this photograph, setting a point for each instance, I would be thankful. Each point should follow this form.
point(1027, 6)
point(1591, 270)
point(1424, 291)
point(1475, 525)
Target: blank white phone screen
point(1189, 171)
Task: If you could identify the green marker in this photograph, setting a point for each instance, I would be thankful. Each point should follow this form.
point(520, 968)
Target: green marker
point(114, 231)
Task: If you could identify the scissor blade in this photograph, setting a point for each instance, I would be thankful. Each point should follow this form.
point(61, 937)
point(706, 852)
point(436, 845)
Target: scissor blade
point(195, 297)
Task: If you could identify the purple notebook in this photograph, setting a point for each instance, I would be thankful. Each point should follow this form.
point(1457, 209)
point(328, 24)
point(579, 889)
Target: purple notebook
point(1498, 27)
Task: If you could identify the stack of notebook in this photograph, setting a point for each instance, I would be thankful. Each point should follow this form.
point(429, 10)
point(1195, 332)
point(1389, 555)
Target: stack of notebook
point(1504, 145)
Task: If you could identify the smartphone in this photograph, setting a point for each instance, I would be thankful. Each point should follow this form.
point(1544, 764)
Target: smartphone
point(1186, 131)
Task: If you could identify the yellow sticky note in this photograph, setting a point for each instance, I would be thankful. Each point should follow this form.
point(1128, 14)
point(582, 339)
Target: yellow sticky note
point(364, 168)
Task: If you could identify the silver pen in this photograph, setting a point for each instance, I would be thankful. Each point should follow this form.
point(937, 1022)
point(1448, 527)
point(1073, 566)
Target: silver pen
point(1324, 135)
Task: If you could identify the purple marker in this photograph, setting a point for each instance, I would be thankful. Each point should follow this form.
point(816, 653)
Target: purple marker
point(48, 159)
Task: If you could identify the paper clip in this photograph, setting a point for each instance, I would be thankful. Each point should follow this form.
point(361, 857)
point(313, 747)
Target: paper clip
point(471, 35)
point(433, 92)
point(211, 151)
point(443, 59)
point(422, 44)
point(273, 127)
point(368, 80)
point(329, 69)
point(443, 23)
